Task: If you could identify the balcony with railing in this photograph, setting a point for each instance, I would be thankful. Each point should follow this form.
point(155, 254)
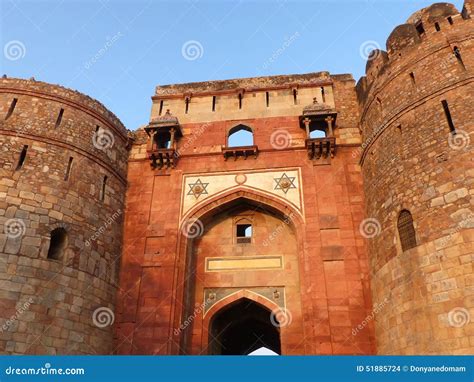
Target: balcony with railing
point(318, 120)
point(163, 133)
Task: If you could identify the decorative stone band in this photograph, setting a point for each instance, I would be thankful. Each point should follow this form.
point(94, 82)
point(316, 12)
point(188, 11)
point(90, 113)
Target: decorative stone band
point(247, 263)
point(67, 145)
point(283, 183)
point(276, 294)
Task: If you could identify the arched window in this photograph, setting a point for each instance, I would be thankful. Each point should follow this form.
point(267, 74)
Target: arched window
point(57, 244)
point(240, 135)
point(317, 134)
point(406, 230)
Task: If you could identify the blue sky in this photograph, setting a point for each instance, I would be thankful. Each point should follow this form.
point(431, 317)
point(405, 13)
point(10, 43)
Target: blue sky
point(118, 51)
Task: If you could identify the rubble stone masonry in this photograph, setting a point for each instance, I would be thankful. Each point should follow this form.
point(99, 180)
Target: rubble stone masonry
point(61, 294)
point(413, 160)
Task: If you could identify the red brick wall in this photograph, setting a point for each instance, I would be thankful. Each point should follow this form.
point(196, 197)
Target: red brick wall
point(329, 282)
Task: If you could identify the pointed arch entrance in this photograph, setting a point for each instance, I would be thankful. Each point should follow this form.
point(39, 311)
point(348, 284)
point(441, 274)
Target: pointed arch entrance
point(241, 328)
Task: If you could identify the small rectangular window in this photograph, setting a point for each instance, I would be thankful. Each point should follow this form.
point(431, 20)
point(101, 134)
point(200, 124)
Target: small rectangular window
point(447, 113)
point(22, 158)
point(102, 190)
point(240, 101)
point(323, 94)
point(161, 108)
point(11, 109)
point(267, 98)
point(437, 27)
point(450, 20)
point(60, 118)
point(186, 108)
point(213, 103)
point(295, 96)
point(68, 169)
point(412, 77)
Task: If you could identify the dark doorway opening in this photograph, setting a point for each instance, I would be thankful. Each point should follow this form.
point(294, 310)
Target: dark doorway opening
point(241, 328)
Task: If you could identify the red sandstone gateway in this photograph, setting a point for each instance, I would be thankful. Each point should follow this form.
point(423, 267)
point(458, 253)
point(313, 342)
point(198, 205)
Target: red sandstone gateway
point(342, 225)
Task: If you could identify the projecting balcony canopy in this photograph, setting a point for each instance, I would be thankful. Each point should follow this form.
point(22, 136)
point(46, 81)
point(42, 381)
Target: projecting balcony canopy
point(164, 123)
point(318, 116)
point(318, 109)
point(163, 132)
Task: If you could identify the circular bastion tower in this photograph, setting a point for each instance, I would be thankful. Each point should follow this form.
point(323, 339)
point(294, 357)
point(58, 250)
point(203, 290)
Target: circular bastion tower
point(417, 119)
point(63, 161)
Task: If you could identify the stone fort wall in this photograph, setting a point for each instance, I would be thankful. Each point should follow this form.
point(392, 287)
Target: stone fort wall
point(65, 165)
point(415, 159)
point(47, 305)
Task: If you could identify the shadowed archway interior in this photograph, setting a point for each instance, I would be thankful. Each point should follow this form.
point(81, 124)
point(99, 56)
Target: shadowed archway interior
point(273, 233)
point(242, 327)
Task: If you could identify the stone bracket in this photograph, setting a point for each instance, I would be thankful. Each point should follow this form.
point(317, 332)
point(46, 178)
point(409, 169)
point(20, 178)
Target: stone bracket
point(321, 147)
point(242, 151)
point(162, 158)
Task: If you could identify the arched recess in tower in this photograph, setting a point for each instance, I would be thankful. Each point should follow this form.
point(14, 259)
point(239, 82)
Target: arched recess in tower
point(267, 265)
point(417, 107)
